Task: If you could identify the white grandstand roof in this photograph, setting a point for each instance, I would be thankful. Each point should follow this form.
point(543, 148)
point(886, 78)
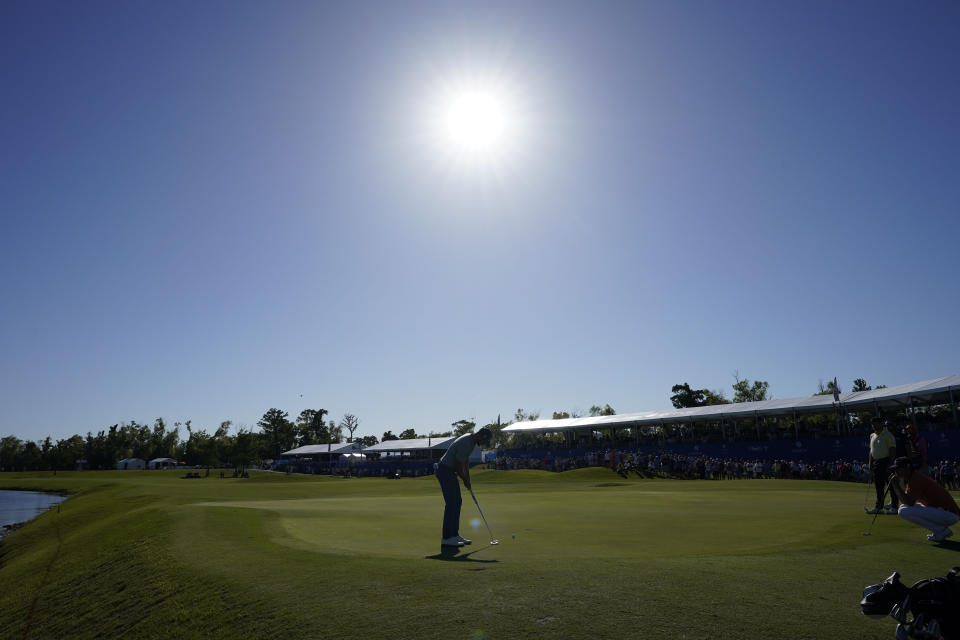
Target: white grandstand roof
point(926, 392)
point(422, 444)
point(316, 449)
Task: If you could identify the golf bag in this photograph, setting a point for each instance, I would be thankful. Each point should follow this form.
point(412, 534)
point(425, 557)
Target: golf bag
point(929, 610)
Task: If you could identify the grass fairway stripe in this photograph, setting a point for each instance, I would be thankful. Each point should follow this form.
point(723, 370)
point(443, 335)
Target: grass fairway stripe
point(150, 555)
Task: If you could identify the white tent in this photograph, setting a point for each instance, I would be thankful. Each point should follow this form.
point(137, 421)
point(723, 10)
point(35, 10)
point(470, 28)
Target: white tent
point(161, 463)
point(435, 447)
point(407, 446)
point(320, 450)
point(128, 464)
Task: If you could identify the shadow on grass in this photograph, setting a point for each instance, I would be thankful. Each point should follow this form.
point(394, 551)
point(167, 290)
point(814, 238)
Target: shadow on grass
point(452, 554)
point(949, 544)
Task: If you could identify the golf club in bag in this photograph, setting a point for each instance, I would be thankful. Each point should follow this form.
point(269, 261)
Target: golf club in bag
point(492, 539)
point(929, 610)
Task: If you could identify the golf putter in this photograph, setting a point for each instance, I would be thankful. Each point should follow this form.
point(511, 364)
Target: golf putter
point(879, 511)
point(492, 539)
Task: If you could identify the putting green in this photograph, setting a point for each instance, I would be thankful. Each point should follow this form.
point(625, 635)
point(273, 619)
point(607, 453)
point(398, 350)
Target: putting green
point(674, 519)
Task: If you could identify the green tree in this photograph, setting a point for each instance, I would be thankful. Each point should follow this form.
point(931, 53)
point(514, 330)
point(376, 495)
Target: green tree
point(860, 385)
point(245, 448)
point(200, 447)
point(10, 449)
point(163, 443)
point(367, 441)
point(521, 416)
point(597, 410)
point(714, 397)
point(279, 433)
point(461, 427)
point(825, 389)
point(744, 391)
point(387, 436)
point(311, 427)
point(684, 397)
point(336, 433)
point(69, 451)
point(499, 437)
point(408, 434)
point(560, 415)
point(31, 457)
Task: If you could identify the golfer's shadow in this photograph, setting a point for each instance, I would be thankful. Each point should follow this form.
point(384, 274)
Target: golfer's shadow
point(452, 554)
point(949, 544)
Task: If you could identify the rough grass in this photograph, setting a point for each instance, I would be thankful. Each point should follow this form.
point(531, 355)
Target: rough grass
point(150, 555)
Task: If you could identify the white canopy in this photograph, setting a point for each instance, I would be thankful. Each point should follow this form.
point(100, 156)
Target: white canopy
point(322, 449)
point(418, 444)
point(940, 390)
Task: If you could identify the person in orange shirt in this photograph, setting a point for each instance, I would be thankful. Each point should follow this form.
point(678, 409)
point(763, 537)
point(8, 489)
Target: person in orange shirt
point(923, 501)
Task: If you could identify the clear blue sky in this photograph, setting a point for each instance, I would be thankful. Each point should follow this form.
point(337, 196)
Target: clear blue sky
point(208, 209)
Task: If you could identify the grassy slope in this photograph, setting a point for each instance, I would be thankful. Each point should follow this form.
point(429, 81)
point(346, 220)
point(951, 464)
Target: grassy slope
point(149, 555)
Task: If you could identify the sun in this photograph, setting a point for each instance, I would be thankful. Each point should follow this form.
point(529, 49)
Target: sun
point(475, 121)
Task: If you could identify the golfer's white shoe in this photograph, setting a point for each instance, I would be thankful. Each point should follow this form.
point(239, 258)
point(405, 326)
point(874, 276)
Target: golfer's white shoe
point(464, 540)
point(875, 510)
point(451, 542)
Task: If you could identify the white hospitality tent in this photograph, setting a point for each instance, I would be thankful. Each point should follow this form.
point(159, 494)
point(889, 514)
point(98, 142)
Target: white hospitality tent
point(161, 463)
point(128, 464)
point(325, 451)
point(903, 397)
point(431, 447)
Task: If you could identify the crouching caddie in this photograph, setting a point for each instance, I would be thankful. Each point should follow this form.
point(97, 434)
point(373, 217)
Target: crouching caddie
point(923, 501)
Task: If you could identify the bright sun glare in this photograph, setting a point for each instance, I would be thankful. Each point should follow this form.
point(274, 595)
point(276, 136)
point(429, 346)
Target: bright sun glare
point(475, 121)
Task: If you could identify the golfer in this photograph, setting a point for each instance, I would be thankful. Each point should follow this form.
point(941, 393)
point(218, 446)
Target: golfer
point(456, 462)
point(883, 450)
point(923, 501)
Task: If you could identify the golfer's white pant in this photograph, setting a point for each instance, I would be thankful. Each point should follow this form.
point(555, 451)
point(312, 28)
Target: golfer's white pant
point(933, 518)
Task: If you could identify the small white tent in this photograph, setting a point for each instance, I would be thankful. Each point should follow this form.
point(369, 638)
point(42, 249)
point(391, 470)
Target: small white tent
point(162, 463)
point(128, 464)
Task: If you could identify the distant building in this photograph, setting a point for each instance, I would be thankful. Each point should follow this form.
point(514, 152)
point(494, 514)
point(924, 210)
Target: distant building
point(162, 463)
point(129, 464)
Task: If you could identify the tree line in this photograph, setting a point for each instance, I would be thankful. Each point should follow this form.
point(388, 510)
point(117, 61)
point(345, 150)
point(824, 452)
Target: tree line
point(278, 433)
point(746, 391)
point(275, 433)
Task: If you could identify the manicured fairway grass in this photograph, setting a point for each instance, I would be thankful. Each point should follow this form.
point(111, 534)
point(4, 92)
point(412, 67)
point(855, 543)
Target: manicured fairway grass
point(150, 555)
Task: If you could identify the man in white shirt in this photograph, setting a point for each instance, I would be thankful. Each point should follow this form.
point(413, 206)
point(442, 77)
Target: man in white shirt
point(883, 450)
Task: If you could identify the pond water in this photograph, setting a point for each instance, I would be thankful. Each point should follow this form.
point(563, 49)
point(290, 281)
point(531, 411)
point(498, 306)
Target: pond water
point(20, 506)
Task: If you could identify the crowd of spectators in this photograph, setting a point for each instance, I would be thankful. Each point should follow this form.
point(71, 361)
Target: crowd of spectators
point(371, 469)
point(630, 463)
point(689, 466)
